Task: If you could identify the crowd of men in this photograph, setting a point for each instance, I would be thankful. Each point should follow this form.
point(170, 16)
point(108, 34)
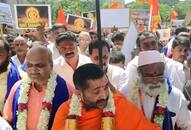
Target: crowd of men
point(52, 80)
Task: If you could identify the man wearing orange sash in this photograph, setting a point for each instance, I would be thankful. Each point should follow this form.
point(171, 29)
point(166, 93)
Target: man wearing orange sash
point(97, 106)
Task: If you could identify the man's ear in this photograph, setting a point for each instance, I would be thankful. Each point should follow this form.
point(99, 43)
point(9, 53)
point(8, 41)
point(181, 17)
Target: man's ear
point(78, 92)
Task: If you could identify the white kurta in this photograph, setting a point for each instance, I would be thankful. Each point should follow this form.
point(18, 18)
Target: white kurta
point(62, 68)
point(173, 70)
point(15, 59)
point(4, 125)
point(117, 76)
point(54, 50)
point(176, 104)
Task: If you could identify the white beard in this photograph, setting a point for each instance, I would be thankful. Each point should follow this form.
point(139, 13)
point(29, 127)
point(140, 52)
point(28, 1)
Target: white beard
point(152, 90)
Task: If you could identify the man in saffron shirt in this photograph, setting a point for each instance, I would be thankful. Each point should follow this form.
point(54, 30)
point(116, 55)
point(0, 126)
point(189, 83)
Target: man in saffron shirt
point(97, 105)
point(34, 100)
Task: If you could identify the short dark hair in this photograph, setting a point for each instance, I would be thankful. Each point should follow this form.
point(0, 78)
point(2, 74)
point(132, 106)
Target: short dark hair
point(181, 40)
point(117, 57)
point(6, 44)
point(84, 73)
point(65, 36)
point(181, 29)
point(117, 37)
point(146, 34)
point(57, 26)
point(96, 44)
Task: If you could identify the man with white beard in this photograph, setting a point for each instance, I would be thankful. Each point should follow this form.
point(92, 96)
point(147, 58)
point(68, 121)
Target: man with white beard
point(160, 102)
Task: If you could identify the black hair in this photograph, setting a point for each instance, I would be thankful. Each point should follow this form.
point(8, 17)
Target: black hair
point(117, 57)
point(181, 29)
point(117, 37)
point(97, 44)
point(57, 26)
point(65, 36)
point(86, 72)
point(6, 44)
point(146, 34)
point(181, 40)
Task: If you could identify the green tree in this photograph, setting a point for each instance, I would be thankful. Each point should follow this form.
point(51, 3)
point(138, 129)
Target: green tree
point(165, 11)
point(182, 9)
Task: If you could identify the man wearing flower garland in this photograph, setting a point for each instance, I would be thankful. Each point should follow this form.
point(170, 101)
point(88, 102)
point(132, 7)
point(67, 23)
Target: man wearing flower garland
point(160, 102)
point(9, 73)
point(173, 69)
point(97, 106)
point(34, 100)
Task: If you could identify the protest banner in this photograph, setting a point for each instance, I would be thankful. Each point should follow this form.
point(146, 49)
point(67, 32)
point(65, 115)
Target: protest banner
point(177, 23)
point(78, 23)
point(115, 17)
point(32, 16)
point(91, 15)
point(129, 42)
point(5, 14)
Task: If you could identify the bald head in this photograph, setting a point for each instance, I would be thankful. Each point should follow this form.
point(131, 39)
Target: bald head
point(40, 50)
point(39, 64)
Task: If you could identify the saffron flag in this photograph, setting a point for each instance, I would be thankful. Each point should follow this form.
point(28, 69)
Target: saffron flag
point(61, 17)
point(115, 5)
point(173, 15)
point(155, 17)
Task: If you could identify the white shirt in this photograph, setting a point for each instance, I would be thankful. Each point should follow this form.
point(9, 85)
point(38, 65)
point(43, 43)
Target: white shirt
point(173, 70)
point(176, 104)
point(117, 76)
point(54, 50)
point(4, 125)
point(15, 59)
point(62, 68)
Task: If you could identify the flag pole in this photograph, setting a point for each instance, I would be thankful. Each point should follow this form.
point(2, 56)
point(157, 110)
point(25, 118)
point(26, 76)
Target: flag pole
point(150, 18)
point(99, 31)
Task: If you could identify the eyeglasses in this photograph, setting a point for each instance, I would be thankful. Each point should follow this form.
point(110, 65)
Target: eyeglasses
point(154, 78)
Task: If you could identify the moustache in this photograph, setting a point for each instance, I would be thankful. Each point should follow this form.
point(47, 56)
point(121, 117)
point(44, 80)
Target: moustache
point(69, 54)
point(101, 100)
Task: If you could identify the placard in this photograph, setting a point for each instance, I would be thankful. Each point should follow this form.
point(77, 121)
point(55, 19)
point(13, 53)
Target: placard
point(32, 16)
point(5, 14)
point(78, 23)
point(114, 17)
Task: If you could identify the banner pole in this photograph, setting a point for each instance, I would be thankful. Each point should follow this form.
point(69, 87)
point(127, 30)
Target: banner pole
point(99, 31)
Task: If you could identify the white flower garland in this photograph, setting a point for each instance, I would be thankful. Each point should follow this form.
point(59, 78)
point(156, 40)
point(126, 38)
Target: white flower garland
point(3, 87)
point(162, 101)
point(23, 99)
point(75, 105)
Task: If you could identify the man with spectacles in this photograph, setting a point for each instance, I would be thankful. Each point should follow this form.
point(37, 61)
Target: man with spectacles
point(160, 102)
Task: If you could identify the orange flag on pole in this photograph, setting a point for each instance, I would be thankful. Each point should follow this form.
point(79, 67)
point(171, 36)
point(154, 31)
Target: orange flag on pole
point(115, 5)
point(173, 15)
point(61, 17)
point(155, 16)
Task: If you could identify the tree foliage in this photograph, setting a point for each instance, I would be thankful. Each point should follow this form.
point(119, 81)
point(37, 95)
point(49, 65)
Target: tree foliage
point(165, 11)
